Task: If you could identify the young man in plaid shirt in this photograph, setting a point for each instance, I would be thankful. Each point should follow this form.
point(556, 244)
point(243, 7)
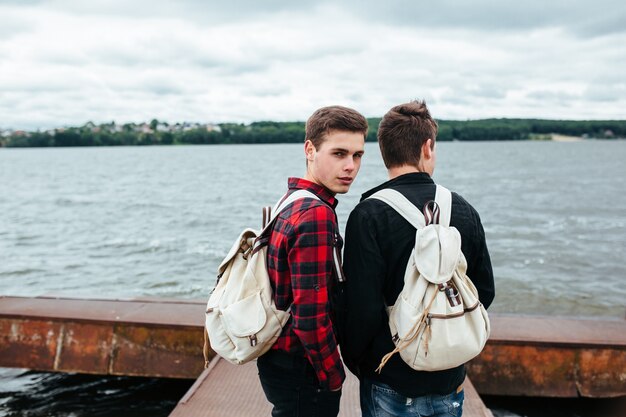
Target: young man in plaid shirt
point(302, 373)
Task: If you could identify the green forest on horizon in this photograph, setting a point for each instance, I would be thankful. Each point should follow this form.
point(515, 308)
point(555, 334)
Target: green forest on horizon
point(161, 133)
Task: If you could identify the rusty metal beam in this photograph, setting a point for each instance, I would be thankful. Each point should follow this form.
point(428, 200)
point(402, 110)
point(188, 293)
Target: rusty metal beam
point(552, 357)
point(157, 338)
point(526, 355)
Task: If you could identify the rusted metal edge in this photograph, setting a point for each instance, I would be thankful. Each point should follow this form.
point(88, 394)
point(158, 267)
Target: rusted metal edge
point(102, 321)
point(553, 344)
point(529, 330)
point(153, 312)
point(526, 354)
point(522, 330)
point(157, 300)
point(145, 338)
point(101, 348)
point(540, 371)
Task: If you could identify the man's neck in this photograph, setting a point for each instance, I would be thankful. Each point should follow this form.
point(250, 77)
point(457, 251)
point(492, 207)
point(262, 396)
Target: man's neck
point(309, 177)
point(404, 169)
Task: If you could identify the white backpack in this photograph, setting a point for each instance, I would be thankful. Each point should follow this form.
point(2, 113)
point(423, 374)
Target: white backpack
point(242, 321)
point(437, 321)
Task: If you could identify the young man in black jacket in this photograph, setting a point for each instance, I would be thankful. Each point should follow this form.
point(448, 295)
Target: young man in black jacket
point(378, 245)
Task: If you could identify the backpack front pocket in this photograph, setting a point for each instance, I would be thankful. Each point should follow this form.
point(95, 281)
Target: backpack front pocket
point(245, 317)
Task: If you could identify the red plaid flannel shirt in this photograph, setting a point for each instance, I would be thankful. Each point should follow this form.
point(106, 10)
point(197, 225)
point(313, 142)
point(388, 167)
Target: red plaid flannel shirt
point(301, 269)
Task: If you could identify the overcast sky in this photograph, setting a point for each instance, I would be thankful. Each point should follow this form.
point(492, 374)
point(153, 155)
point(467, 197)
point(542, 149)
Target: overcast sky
point(63, 63)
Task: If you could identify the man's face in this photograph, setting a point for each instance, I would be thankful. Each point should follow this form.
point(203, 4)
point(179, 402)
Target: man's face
point(337, 161)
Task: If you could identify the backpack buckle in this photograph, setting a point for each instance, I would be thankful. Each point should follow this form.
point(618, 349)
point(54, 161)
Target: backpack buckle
point(245, 249)
point(431, 212)
point(452, 294)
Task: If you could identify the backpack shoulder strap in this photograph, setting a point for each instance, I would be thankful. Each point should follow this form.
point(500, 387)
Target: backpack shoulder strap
point(270, 213)
point(395, 199)
point(443, 198)
point(402, 205)
point(296, 195)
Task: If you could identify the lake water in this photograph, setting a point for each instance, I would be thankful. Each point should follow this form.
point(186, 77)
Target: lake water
point(156, 221)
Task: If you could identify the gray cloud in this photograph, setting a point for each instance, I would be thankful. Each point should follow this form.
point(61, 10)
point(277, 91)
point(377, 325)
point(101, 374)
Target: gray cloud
point(12, 25)
point(610, 22)
point(66, 62)
point(558, 96)
point(577, 17)
point(20, 2)
point(606, 93)
point(479, 14)
point(202, 13)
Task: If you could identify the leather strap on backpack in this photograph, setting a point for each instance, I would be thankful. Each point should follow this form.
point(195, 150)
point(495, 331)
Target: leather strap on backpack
point(205, 348)
point(415, 330)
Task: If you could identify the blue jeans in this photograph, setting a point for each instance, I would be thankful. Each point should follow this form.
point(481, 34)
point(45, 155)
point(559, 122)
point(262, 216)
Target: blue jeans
point(380, 400)
point(290, 384)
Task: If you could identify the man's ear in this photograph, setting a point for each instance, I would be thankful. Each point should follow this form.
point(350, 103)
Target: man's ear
point(427, 150)
point(309, 150)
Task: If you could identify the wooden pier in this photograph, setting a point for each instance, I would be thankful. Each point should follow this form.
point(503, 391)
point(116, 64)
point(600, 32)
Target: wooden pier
point(525, 355)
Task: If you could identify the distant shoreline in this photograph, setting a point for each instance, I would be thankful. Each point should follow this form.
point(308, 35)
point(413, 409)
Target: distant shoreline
point(161, 133)
point(566, 138)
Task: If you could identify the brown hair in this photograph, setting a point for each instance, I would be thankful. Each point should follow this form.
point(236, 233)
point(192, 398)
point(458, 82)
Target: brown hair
point(403, 131)
point(330, 118)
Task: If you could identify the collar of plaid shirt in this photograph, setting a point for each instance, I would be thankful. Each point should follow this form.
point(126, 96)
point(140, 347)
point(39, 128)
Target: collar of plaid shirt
point(323, 193)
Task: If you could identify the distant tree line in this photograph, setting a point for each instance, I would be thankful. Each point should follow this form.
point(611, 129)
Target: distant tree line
point(158, 133)
point(523, 129)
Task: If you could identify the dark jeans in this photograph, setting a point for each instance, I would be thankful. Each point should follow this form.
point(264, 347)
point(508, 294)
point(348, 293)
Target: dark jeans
point(290, 384)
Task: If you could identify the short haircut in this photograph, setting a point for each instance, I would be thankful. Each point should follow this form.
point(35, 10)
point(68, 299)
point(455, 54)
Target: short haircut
point(403, 131)
point(333, 118)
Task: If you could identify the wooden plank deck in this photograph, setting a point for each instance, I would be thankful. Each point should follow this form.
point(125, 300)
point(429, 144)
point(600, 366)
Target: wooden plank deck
point(224, 389)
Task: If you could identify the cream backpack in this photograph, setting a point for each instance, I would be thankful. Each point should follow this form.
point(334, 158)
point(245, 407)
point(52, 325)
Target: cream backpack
point(437, 321)
point(242, 321)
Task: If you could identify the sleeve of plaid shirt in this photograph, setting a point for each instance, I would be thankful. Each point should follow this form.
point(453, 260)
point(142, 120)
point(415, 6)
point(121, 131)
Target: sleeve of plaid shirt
point(311, 267)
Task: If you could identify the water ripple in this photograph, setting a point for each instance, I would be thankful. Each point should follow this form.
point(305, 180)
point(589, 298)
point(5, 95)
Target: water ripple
point(149, 222)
